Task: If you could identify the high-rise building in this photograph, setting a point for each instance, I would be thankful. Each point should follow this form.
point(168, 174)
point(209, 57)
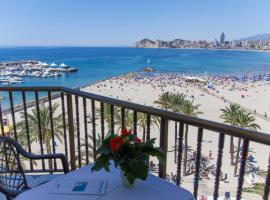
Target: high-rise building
point(222, 38)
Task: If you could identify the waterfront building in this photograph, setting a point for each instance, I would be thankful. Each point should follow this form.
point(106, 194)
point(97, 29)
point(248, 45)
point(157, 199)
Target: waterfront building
point(222, 38)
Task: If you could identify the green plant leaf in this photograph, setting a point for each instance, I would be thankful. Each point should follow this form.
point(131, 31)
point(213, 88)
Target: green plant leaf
point(102, 161)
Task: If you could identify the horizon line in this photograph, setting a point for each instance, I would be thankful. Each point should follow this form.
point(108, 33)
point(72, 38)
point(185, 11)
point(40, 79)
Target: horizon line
point(59, 46)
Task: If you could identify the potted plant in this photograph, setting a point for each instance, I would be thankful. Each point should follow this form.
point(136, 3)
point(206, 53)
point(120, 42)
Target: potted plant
point(128, 153)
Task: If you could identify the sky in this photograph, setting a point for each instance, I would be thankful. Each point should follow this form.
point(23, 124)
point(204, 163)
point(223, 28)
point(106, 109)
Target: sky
point(123, 22)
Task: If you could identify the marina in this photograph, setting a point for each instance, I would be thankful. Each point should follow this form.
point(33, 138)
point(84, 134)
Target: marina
point(15, 72)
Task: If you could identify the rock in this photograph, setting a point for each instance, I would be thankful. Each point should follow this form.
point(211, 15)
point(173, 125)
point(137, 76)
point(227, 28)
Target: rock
point(147, 43)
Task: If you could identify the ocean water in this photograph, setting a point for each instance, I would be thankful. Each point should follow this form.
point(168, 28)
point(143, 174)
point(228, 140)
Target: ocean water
point(96, 64)
point(100, 63)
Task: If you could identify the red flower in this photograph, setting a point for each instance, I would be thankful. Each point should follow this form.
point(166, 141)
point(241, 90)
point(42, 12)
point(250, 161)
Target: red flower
point(125, 132)
point(115, 143)
point(137, 140)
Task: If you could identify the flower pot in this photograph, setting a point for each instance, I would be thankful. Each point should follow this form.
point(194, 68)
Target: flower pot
point(125, 181)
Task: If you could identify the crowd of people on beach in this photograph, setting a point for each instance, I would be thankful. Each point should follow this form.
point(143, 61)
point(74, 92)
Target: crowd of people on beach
point(240, 83)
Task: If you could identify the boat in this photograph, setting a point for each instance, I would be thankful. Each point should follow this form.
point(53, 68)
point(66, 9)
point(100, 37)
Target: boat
point(4, 79)
point(22, 73)
point(6, 83)
point(148, 69)
point(15, 81)
point(68, 69)
point(43, 64)
point(53, 64)
point(57, 74)
point(63, 65)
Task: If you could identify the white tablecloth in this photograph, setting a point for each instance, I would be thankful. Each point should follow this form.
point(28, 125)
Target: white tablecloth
point(153, 188)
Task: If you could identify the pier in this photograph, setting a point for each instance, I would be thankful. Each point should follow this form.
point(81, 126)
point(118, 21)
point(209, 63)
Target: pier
point(13, 72)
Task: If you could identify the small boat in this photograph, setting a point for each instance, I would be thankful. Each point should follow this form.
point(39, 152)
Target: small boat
point(148, 69)
point(57, 74)
point(15, 81)
point(53, 65)
point(6, 83)
point(63, 65)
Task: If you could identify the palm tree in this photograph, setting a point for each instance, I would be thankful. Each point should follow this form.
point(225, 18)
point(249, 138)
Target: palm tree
point(142, 122)
point(87, 149)
point(45, 123)
point(205, 168)
point(128, 119)
point(176, 148)
point(244, 120)
point(164, 100)
point(188, 108)
point(176, 102)
point(205, 165)
point(251, 166)
point(173, 102)
point(107, 115)
point(229, 115)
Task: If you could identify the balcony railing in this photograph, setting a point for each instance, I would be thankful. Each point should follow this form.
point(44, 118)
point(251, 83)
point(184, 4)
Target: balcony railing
point(83, 119)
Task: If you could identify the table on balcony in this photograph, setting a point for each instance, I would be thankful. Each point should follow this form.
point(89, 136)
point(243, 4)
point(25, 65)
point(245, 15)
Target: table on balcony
point(153, 188)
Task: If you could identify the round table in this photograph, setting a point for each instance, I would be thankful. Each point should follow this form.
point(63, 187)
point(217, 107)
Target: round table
point(153, 188)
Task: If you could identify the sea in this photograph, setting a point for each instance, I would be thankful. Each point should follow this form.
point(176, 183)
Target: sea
point(99, 63)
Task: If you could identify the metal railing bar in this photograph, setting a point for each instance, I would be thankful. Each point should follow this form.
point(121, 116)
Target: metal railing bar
point(13, 114)
point(85, 130)
point(123, 118)
point(27, 127)
point(64, 122)
point(219, 164)
point(39, 128)
point(242, 168)
point(267, 182)
point(198, 161)
point(163, 144)
point(1, 120)
point(94, 128)
point(180, 152)
point(102, 120)
point(52, 126)
point(71, 132)
point(135, 116)
point(78, 130)
point(148, 126)
point(112, 118)
point(31, 88)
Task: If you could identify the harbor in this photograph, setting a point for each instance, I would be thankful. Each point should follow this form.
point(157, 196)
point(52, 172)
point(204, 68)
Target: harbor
point(14, 72)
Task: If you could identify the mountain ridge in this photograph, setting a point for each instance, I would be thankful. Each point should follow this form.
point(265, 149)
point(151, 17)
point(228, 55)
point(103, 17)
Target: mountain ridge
point(258, 37)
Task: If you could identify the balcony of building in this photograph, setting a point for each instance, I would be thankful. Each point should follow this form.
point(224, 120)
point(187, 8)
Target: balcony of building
point(73, 122)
